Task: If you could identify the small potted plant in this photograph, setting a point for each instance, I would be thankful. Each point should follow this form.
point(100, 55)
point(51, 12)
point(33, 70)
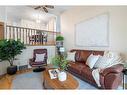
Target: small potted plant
point(59, 41)
point(59, 38)
point(61, 62)
point(8, 50)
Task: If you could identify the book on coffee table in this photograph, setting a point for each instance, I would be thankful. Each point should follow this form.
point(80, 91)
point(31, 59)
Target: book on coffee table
point(53, 73)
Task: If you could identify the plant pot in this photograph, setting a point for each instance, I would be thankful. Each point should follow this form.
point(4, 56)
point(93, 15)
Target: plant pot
point(59, 43)
point(62, 76)
point(11, 70)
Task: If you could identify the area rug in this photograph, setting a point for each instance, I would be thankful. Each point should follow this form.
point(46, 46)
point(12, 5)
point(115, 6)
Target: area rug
point(32, 80)
point(28, 80)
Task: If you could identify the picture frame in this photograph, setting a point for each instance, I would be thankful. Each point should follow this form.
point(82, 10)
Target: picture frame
point(53, 73)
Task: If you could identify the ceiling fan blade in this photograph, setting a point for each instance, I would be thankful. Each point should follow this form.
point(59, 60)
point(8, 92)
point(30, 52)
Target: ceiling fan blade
point(45, 10)
point(37, 7)
point(49, 6)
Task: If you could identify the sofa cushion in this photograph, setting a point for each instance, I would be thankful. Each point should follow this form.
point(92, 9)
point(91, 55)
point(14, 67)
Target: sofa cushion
point(71, 56)
point(91, 60)
point(75, 67)
point(81, 56)
point(102, 62)
point(87, 74)
point(39, 57)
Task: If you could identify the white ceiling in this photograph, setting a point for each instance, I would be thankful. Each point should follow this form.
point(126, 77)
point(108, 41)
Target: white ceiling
point(29, 13)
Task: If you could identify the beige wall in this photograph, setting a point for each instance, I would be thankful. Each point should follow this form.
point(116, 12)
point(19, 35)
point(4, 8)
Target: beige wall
point(117, 26)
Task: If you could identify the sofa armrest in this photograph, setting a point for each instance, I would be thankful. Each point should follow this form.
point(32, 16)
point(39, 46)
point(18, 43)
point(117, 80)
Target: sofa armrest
point(113, 69)
point(31, 60)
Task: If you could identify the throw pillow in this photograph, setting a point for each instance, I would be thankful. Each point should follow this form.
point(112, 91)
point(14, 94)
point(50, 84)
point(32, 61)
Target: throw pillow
point(114, 56)
point(103, 62)
point(39, 57)
point(91, 60)
point(71, 56)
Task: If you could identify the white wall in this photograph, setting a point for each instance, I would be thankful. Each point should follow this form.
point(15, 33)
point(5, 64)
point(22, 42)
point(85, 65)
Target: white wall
point(14, 22)
point(52, 24)
point(58, 26)
point(2, 14)
point(27, 53)
point(117, 26)
point(3, 67)
point(33, 24)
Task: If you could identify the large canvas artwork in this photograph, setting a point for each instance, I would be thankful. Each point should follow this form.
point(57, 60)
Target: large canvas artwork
point(93, 32)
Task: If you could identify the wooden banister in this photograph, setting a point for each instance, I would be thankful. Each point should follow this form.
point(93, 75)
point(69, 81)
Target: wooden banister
point(31, 36)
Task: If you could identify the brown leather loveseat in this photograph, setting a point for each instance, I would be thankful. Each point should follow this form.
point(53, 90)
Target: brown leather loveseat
point(110, 78)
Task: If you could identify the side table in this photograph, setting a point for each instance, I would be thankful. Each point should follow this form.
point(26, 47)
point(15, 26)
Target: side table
point(124, 74)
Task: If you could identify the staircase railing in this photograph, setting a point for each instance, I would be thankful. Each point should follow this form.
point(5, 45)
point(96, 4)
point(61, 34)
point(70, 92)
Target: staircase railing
point(30, 36)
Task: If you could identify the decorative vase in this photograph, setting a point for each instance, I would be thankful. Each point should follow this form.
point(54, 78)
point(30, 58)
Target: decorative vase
point(62, 76)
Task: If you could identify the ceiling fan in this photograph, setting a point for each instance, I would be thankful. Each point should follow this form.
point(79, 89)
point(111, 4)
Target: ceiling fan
point(44, 7)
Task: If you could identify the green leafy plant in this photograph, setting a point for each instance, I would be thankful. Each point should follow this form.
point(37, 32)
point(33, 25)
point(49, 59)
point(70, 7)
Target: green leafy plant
point(59, 38)
point(9, 49)
point(60, 61)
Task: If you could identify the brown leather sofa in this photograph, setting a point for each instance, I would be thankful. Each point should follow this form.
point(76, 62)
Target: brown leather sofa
point(110, 78)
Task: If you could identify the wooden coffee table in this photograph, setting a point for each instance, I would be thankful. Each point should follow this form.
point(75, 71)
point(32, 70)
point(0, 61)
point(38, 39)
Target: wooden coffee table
point(49, 83)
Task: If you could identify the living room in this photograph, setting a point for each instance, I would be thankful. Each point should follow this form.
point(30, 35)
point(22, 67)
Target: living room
point(87, 32)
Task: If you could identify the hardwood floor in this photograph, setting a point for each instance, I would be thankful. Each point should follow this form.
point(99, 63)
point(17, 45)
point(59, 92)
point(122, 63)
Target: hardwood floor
point(6, 80)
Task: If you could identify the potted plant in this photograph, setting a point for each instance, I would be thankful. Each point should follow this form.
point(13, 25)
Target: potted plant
point(59, 40)
point(61, 62)
point(8, 50)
